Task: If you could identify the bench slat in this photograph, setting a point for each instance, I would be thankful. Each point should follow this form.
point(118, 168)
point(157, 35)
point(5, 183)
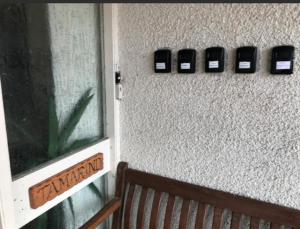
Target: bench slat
point(184, 214)
point(218, 218)
point(254, 223)
point(141, 210)
point(128, 207)
point(201, 215)
point(236, 220)
point(155, 210)
point(119, 193)
point(169, 212)
point(275, 226)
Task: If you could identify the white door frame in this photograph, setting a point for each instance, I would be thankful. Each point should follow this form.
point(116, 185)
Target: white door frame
point(111, 65)
point(14, 199)
point(7, 215)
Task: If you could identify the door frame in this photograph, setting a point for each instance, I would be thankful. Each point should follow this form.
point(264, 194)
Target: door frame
point(7, 215)
point(10, 188)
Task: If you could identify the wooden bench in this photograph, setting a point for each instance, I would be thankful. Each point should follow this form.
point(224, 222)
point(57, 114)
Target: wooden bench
point(129, 179)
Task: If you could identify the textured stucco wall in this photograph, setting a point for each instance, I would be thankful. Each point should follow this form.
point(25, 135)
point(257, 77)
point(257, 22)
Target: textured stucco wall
point(238, 133)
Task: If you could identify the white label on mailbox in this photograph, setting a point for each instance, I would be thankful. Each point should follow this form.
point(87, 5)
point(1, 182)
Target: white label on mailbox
point(160, 66)
point(244, 65)
point(283, 65)
point(213, 64)
point(185, 66)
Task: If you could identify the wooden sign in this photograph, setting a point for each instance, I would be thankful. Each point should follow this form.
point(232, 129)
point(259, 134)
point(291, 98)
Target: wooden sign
point(54, 186)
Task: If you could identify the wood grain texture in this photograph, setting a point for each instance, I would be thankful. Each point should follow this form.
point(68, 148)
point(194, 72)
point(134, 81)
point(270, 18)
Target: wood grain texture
point(128, 207)
point(257, 210)
point(155, 210)
point(54, 186)
point(267, 211)
point(202, 211)
point(141, 209)
point(254, 223)
point(275, 226)
point(120, 193)
point(218, 218)
point(169, 212)
point(236, 220)
point(185, 209)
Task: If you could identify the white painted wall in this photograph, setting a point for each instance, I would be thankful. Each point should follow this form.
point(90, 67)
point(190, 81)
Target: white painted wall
point(238, 133)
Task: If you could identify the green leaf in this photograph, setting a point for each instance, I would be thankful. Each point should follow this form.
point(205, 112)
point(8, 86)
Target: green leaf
point(95, 190)
point(73, 119)
point(53, 130)
point(79, 144)
point(70, 201)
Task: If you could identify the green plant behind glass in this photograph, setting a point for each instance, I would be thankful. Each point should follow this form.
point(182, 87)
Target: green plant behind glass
point(59, 145)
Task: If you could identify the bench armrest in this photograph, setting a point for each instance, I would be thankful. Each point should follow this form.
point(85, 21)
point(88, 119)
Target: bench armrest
point(103, 214)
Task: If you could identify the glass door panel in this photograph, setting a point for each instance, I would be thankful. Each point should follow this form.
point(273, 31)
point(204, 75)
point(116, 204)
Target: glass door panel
point(52, 85)
point(51, 80)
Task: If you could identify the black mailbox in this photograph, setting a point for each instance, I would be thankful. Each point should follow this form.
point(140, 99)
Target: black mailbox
point(162, 61)
point(186, 61)
point(282, 59)
point(246, 59)
point(214, 59)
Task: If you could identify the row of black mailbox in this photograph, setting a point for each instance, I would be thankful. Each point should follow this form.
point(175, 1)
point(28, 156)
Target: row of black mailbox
point(282, 60)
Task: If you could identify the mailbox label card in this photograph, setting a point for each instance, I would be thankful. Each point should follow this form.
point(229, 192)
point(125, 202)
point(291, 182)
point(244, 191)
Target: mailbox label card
point(161, 66)
point(213, 64)
point(244, 64)
point(283, 65)
point(185, 66)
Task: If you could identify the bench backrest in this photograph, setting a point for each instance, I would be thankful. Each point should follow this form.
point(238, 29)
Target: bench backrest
point(129, 180)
